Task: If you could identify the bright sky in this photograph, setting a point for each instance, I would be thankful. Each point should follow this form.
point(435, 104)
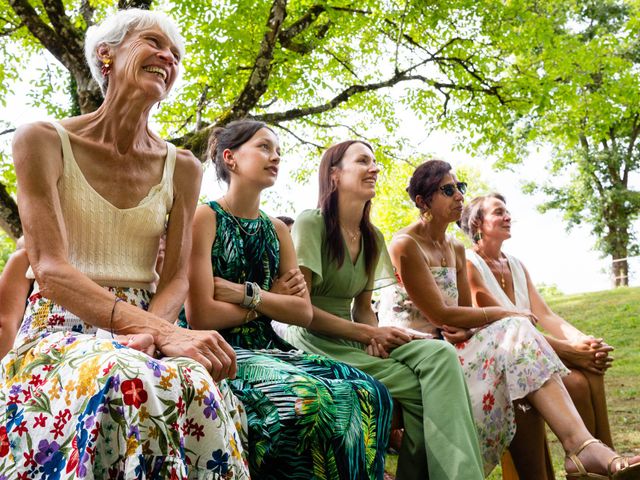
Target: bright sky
point(551, 255)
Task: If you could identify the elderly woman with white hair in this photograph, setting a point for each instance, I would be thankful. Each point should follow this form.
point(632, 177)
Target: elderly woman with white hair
point(94, 194)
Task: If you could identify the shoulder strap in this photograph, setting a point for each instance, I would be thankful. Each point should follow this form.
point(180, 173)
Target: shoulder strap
point(426, 258)
point(170, 162)
point(67, 153)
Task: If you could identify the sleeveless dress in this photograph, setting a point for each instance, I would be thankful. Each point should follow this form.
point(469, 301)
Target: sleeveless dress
point(73, 406)
point(519, 281)
point(309, 417)
point(502, 362)
point(423, 376)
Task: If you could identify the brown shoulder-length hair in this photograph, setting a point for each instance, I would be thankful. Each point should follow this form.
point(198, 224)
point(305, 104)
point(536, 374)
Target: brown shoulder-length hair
point(328, 205)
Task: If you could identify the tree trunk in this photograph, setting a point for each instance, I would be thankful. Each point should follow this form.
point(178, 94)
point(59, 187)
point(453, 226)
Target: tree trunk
point(9, 217)
point(620, 268)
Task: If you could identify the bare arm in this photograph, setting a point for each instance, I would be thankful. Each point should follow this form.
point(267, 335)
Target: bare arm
point(574, 347)
point(362, 312)
point(38, 161)
point(361, 330)
point(173, 284)
point(425, 294)
point(481, 296)
point(213, 303)
point(14, 288)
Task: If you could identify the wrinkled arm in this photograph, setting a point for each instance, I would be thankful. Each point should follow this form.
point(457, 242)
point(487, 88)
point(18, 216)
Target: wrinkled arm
point(173, 285)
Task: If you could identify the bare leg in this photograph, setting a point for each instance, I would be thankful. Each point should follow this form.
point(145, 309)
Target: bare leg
point(528, 446)
point(554, 404)
point(599, 401)
point(578, 387)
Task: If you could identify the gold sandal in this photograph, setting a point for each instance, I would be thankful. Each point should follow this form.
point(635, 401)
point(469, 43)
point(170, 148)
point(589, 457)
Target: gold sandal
point(624, 470)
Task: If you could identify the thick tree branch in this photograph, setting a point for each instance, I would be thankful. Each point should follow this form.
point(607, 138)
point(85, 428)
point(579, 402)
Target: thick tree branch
point(143, 4)
point(9, 217)
point(258, 80)
point(304, 22)
point(73, 39)
point(65, 45)
point(45, 34)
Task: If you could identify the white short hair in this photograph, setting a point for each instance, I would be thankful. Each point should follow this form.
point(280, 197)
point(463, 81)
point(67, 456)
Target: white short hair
point(112, 30)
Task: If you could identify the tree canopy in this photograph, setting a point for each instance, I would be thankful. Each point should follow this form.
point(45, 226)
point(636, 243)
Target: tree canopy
point(506, 75)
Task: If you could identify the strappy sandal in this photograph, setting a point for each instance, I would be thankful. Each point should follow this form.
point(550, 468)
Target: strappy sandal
point(624, 471)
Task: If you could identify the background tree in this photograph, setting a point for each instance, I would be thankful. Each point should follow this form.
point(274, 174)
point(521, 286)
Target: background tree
point(570, 71)
point(311, 68)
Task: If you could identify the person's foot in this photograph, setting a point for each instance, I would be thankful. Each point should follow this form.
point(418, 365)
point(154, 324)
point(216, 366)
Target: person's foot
point(595, 457)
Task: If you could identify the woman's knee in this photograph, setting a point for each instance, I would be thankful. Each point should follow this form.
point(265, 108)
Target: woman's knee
point(577, 385)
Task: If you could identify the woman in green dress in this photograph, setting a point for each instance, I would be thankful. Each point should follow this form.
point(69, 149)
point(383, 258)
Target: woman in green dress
point(309, 417)
point(341, 255)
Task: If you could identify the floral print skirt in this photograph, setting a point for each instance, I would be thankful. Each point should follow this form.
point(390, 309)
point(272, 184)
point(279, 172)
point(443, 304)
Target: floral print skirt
point(504, 362)
point(76, 406)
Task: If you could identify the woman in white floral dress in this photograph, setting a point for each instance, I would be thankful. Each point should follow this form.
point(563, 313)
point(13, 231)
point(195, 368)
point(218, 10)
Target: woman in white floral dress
point(506, 361)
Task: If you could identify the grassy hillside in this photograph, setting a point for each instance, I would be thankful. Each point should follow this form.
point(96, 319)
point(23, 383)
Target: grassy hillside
point(615, 316)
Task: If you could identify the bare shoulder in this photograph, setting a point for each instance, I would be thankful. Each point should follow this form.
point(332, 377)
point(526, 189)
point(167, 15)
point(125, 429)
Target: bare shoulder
point(205, 214)
point(37, 152)
point(279, 225)
point(188, 170)
point(403, 243)
point(458, 246)
point(34, 136)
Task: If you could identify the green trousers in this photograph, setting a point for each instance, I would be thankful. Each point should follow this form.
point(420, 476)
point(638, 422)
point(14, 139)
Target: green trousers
point(425, 377)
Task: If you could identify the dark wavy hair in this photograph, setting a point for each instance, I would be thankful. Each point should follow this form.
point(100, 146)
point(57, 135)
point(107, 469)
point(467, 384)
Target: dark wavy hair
point(425, 180)
point(231, 136)
point(328, 205)
point(473, 214)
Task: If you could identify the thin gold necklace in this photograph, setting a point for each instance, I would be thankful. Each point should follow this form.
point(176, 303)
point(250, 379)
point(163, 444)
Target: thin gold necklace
point(503, 282)
point(352, 236)
point(238, 222)
point(439, 247)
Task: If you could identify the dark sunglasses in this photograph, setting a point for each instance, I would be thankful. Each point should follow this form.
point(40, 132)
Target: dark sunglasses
point(450, 188)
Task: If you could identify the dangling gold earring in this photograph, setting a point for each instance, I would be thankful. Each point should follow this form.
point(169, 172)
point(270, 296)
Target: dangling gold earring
point(106, 66)
point(426, 216)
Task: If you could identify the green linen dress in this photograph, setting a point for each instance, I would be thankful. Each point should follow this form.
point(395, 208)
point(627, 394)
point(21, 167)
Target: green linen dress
point(424, 376)
point(309, 417)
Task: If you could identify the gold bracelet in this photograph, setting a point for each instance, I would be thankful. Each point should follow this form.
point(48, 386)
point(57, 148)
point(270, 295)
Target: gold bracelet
point(113, 309)
point(486, 319)
point(249, 312)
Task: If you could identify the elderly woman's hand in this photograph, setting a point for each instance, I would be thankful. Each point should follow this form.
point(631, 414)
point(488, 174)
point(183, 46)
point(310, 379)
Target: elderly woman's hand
point(290, 283)
point(142, 342)
point(205, 346)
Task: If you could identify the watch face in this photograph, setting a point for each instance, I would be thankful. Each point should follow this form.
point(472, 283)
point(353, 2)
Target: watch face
point(249, 289)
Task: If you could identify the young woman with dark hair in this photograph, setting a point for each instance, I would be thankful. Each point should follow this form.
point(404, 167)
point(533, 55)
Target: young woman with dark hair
point(308, 416)
point(504, 358)
point(343, 258)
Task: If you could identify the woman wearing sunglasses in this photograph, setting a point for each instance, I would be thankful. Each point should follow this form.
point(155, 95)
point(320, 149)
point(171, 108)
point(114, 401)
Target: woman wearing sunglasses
point(507, 363)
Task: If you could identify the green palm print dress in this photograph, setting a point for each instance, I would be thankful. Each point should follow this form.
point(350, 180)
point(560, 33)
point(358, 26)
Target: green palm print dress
point(309, 417)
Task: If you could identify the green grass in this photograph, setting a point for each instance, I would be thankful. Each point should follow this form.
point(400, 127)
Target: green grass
point(615, 316)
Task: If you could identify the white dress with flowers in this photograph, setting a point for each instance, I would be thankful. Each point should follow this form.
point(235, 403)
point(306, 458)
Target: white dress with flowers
point(502, 362)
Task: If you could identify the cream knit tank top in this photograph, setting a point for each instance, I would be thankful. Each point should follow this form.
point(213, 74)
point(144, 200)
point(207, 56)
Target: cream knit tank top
point(112, 246)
